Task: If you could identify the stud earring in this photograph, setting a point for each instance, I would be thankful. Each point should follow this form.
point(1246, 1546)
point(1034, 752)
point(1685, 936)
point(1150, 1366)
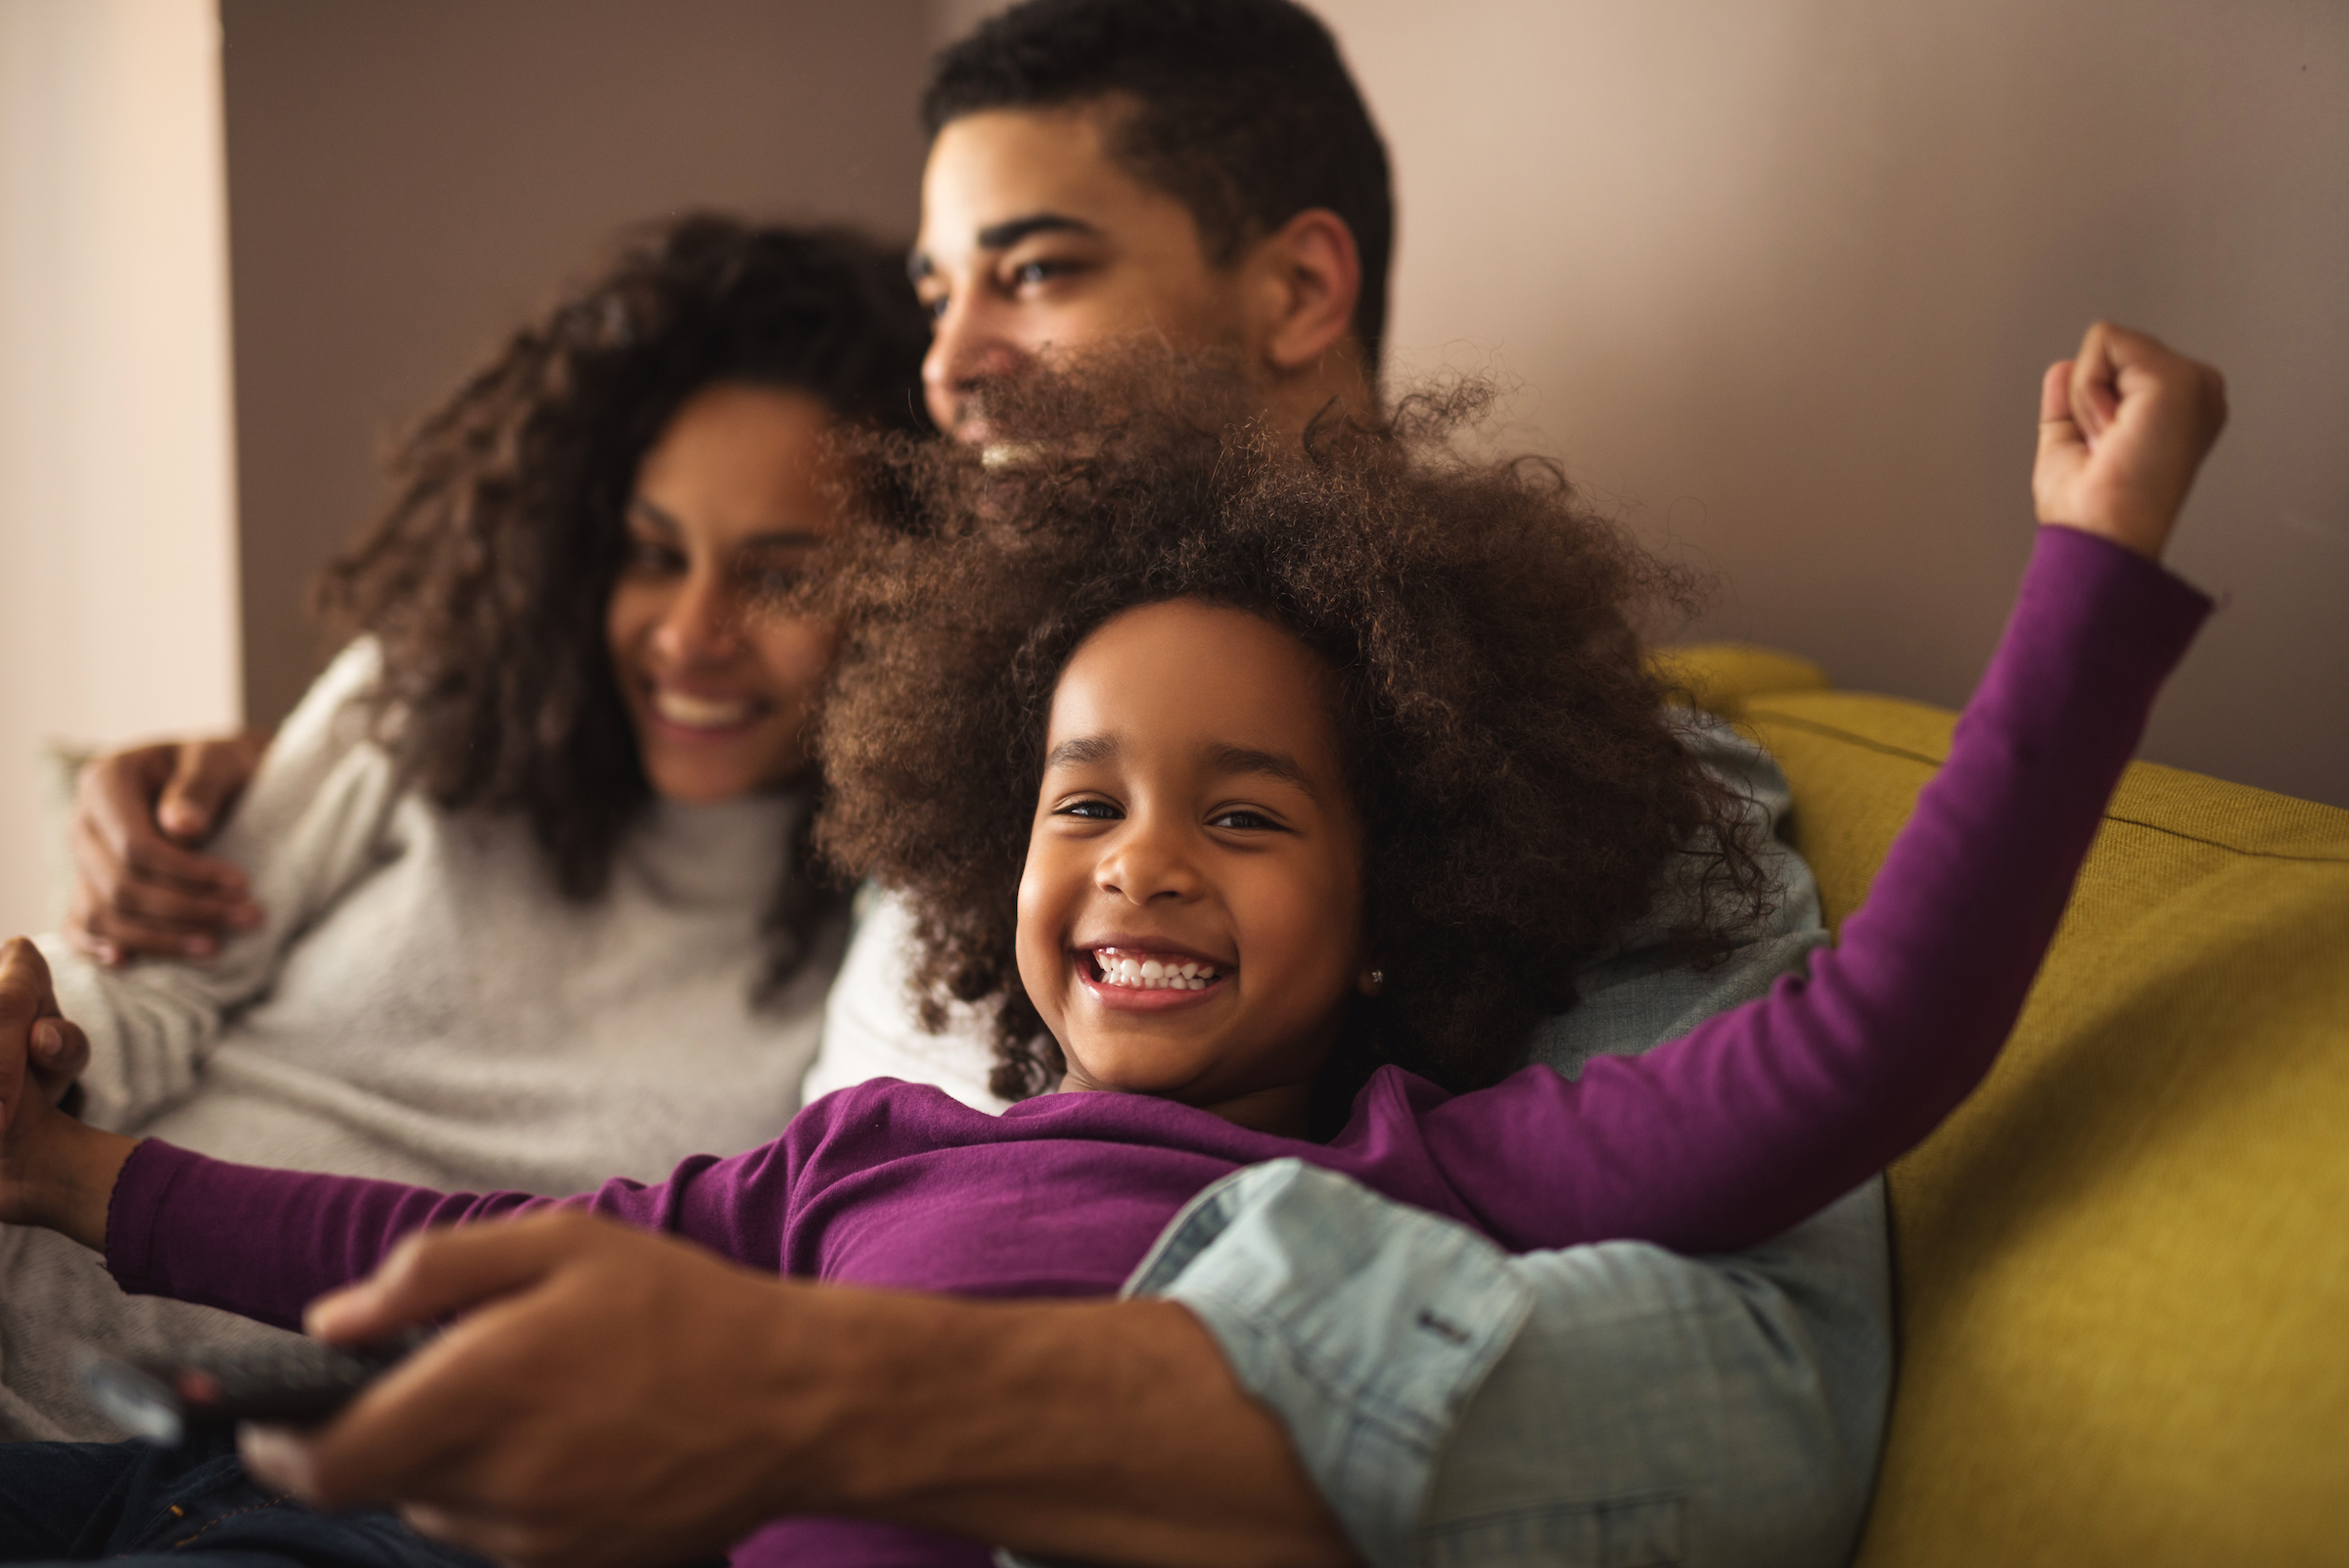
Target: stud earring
point(1378, 977)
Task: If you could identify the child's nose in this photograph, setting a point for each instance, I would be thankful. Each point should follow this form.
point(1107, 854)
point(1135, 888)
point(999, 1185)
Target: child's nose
point(1148, 861)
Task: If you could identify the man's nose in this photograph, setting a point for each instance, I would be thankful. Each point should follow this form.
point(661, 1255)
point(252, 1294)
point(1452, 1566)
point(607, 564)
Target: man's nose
point(966, 346)
point(703, 623)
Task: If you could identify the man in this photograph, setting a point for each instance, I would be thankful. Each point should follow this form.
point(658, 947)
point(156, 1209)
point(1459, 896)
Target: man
point(1307, 1373)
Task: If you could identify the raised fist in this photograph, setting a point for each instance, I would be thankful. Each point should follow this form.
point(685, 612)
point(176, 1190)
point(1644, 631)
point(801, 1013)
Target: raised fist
point(2123, 428)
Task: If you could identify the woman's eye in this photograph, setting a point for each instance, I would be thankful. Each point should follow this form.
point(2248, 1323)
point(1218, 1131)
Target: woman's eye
point(1090, 810)
point(772, 576)
point(643, 555)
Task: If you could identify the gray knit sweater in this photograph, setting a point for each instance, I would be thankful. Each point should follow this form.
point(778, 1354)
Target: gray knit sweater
point(422, 1006)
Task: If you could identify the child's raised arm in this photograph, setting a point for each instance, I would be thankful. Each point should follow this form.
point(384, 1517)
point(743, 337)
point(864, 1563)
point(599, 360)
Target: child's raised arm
point(1762, 1116)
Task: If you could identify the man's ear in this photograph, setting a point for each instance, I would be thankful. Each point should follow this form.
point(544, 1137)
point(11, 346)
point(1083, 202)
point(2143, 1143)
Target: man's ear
point(1302, 281)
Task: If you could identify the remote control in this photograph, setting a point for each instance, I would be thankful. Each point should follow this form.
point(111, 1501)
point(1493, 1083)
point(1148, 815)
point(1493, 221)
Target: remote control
point(297, 1383)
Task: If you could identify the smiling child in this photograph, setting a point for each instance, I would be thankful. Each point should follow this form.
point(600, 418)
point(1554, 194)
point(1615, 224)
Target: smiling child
point(1264, 793)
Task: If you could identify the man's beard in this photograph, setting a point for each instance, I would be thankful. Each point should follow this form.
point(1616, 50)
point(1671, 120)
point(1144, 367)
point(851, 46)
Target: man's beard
point(1071, 403)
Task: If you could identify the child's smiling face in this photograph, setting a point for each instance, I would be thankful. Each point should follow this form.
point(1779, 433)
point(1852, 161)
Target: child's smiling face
point(1190, 918)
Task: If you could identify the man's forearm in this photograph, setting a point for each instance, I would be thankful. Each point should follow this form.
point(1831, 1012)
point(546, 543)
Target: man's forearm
point(1450, 1402)
point(1103, 1432)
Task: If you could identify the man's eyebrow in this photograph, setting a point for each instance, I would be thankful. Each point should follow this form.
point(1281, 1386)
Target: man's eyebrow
point(1011, 231)
point(1250, 759)
point(1003, 236)
point(1081, 751)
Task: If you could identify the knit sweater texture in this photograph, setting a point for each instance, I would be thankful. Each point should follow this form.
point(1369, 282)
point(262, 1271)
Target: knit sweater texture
point(422, 1004)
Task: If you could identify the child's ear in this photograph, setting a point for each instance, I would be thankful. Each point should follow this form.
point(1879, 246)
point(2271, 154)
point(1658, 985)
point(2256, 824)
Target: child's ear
point(1371, 981)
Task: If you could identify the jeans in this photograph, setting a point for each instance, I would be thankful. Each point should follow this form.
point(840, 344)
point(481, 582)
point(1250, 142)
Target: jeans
point(132, 1502)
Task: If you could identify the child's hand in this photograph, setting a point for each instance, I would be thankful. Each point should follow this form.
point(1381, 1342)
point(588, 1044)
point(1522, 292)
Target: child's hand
point(2122, 430)
point(54, 1171)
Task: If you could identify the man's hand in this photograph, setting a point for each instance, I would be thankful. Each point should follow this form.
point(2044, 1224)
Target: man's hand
point(139, 887)
point(2123, 428)
point(54, 1171)
point(612, 1397)
point(606, 1399)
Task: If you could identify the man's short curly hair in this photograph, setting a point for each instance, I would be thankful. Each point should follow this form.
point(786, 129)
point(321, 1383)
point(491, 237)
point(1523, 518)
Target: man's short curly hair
point(1241, 110)
point(1523, 790)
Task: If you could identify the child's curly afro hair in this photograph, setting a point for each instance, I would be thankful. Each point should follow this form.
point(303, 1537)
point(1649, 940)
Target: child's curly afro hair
point(1517, 771)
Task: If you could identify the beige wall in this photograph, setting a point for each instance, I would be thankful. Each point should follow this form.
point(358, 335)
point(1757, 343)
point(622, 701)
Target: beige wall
point(407, 179)
point(1778, 278)
point(118, 554)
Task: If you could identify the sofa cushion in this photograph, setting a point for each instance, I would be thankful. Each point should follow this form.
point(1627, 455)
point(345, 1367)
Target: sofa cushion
point(2123, 1264)
point(1720, 677)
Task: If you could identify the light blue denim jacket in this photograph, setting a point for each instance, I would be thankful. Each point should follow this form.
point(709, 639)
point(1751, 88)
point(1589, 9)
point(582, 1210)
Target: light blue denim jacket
point(1605, 1404)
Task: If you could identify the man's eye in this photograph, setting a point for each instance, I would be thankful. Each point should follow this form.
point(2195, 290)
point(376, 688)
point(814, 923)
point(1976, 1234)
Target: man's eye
point(1090, 810)
point(1028, 274)
point(937, 307)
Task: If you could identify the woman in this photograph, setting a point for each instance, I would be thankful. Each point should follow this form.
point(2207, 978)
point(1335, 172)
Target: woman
point(527, 854)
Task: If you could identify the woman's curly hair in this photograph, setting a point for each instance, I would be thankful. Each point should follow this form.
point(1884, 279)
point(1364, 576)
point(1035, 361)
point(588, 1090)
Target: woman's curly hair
point(1523, 789)
point(486, 582)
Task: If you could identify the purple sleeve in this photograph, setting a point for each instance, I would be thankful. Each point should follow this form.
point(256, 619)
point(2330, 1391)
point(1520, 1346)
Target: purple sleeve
point(1763, 1115)
point(265, 1243)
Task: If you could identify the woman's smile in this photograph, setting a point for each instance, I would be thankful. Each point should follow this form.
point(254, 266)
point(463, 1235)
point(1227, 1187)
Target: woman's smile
point(703, 715)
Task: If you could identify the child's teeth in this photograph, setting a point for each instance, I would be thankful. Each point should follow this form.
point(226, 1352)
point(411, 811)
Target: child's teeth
point(1153, 974)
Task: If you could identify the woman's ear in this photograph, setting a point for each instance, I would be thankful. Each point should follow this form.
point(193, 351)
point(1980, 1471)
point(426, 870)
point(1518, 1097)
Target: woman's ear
point(1303, 280)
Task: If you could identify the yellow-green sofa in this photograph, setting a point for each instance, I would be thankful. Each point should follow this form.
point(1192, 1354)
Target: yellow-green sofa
point(2123, 1267)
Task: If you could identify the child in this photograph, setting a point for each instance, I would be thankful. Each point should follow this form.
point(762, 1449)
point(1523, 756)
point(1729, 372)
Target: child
point(1305, 752)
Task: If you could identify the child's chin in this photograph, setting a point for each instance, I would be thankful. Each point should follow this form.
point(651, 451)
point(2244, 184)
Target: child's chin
point(1123, 1070)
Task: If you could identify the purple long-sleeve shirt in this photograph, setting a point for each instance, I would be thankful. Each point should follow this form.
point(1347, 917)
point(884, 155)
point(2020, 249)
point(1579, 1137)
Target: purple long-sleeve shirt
point(1712, 1142)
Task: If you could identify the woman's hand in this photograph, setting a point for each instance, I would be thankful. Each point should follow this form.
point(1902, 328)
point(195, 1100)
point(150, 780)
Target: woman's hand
point(54, 1171)
point(2123, 428)
point(139, 886)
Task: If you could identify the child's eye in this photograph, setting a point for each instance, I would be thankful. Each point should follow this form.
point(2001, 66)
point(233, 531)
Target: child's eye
point(1244, 819)
point(1090, 810)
